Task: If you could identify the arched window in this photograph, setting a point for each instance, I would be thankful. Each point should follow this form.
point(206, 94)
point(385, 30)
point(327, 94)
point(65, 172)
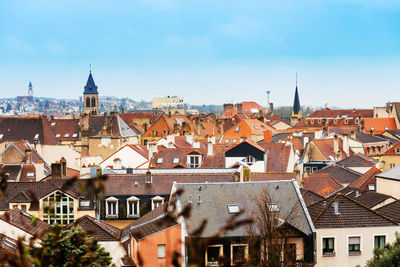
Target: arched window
point(87, 101)
point(93, 102)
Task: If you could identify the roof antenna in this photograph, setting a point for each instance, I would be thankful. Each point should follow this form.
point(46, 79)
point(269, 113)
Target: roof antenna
point(296, 79)
point(90, 68)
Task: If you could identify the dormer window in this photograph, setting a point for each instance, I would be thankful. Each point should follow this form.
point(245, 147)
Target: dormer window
point(306, 121)
point(133, 206)
point(346, 121)
point(111, 207)
point(58, 208)
point(312, 121)
point(156, 202)
point(319, 121)
point(397, 151)
point(250, 160)
point(335, 121)
point(193, 160)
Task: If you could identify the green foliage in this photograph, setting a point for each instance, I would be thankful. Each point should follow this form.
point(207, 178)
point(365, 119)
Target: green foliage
point(387, 256)
point(69, 247)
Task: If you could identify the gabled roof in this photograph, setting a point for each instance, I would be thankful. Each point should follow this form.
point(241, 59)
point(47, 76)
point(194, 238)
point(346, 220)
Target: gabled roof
point(368, 198)
point(100, 230)
point(14, 129)
point(379, 125)
point(26, 222)
point(391, 210)
point(151, 227)
point(341, 174)
point(215, 198)
point(326, 147)
point(351, 214)
point(368, 178)
point(357, 160)
point(90, 87)
point(392, 150)
point(310, 197)
point(321, 183)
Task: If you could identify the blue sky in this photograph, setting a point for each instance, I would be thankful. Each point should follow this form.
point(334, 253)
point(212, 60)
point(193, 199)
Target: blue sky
point(346, 51)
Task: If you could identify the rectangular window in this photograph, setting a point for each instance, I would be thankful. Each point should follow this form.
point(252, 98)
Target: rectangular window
point(161, 251)
point(328, 246)
point(379, 241)
point(213, 255)
point(133, 208)
point(391, 165)
point(157, 203)
point(111, 208)
point(23, 207)
point(239, 254)
point(354, 245)
point(194, 161)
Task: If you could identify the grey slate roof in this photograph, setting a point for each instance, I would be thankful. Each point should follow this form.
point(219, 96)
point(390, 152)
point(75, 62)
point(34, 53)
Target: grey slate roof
point(296, 103)
point(90, 87)
point(215, 198)
point(393, 173)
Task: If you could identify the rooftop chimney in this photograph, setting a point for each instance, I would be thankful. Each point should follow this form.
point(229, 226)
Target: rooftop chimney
point(336, 144)
point(189, 138)
point(152, 149)
point(196, 144)
point(266, 160)
point(306, 139)
point(28, 156)
point(56, 170)
point(39, 166)
point(346, 145)
point(64, 166)
point(336, 208)
point(267, 136)
point(117, 164)
point(210, 152)
point(239, 108)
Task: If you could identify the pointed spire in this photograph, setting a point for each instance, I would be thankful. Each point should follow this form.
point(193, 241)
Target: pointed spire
point(90, 87)
point(30, 84)
point(296, 103)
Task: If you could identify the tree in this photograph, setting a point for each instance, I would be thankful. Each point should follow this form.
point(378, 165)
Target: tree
point(69, 247)
point(389, 255)
point(269, 233)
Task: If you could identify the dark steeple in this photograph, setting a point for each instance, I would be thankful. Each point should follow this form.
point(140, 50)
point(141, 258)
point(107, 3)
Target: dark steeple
point(90, 87)
point(296, 103)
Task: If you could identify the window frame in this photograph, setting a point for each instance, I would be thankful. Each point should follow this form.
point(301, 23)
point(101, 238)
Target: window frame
point(354, 252)
point(65, 200)
point(193, 165)
point(221, 254)
point(328, 254)
point(156, 199)
point(158, 251)
point(246, 252)
point(115, 201)
point(136, 202)
point(379, 235)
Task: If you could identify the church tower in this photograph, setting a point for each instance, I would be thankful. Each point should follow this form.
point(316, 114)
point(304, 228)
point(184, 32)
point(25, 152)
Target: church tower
point(296, 113)
point(90, 97)
point(30, 90)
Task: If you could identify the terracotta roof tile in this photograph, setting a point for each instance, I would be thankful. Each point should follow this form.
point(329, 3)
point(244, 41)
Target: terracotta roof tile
point(321, 183)
point(366, 179)
point(379, 125)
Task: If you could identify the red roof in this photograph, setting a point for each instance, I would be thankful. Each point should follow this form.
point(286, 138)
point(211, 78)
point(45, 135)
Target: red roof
point(379, 125)
point(321, 183)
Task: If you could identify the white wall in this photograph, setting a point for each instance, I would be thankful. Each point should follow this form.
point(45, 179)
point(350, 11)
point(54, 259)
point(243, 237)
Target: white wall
point(129, 157)
point(258, 166)
point(53, 153)
point(14, 232)
point(341, 235)
point(115, 249)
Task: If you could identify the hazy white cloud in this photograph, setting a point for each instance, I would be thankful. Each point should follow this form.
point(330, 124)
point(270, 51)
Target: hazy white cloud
point(12, 42)
point(55, 47)
point(196, 41)
point(240, 26)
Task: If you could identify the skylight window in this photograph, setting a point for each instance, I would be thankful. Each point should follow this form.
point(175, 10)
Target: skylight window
point(227, 141)
point(372, 128)
point(255, 127)
point(30, 174)
point(53, 124)
point(234, 141)
point(237, 129)
point(36, 136)
point(66, 135)
point(138, 147)
point(75, 135)
point(176, 160)
point(58, 135)
point(159, 160)
point(273, 207)
point(386, 128)
point(1, 136)
point(232, 209)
